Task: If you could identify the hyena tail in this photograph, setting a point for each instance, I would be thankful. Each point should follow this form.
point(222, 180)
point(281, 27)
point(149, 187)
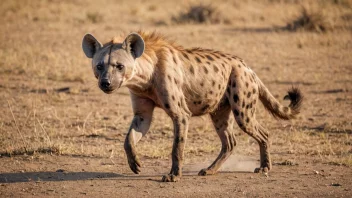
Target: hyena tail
point(275, 108)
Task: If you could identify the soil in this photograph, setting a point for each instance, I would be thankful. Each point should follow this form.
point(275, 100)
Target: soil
point(61, 136)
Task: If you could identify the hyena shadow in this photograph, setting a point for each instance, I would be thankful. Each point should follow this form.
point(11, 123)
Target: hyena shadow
point(65, 176)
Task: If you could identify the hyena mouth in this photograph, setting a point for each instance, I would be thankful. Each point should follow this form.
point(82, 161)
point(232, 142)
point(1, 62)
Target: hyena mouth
point(110, 89)
point(107, 91)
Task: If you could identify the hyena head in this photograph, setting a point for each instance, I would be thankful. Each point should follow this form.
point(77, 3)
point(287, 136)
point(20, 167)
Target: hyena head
point(113, 63)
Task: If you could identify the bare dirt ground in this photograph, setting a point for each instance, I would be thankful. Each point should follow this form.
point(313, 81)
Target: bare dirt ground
point(61, 136)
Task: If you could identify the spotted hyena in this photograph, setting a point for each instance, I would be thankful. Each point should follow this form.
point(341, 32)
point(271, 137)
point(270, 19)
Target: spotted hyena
point(185, 83)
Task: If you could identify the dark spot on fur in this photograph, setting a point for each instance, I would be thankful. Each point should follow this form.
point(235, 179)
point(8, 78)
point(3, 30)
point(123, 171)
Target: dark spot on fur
point(216, 56)
point(247, 120)
point(209, 57)
point(208, 62)
point(242, 114)
point(235, 98)
point(178, 140)
point(213, 83)
point(179, 104)
point(210, 92)
point(176, 81)
point(243, 104)
point(216, 69)
point(249, 95)
point(197, 102)
point(254, 101)
point(191, 69)
point(223, 65)
point(247, 106)
point(141, 119)
point(253, 76)
point(228, 90)
point(229, 58)
point(247, 84)
point(201, 84)
point(223, 55)
point(276, 106)
point(254, 90)
point(183, 121)
point(239, 66)
point(285, 109)
point(167, 106)
point(169, 77)
point(233, 84)
point(236, 112)
point(142, 77)
point(198, 60)
point(174, 58)
point(185, 55)
point(219, 86)
point(173, 98)
point(205, 70)
point(205, 108)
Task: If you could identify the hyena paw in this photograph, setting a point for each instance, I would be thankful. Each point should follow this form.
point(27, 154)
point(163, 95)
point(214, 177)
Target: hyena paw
point(134, 164)
point(263, 170)
point(170, 178)
point(205, 172)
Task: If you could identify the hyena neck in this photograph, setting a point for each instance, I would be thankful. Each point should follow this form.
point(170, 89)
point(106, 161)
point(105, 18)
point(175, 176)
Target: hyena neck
point(140, 80)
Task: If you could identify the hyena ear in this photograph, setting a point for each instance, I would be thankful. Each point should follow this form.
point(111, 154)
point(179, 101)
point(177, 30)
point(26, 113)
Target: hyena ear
point(134, 44)
point(90, 45)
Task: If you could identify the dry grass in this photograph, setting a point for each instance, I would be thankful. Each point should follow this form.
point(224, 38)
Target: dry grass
point(94, 17)
point(54, 150)
point(311, 19)
point(198, 14)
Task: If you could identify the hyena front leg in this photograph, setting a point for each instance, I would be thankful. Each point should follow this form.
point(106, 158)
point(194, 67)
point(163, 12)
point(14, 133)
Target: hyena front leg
point(180, 137)
point(143, 113)
point(177, 109)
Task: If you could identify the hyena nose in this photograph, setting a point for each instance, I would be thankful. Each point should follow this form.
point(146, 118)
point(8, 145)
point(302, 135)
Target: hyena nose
point(105, 83)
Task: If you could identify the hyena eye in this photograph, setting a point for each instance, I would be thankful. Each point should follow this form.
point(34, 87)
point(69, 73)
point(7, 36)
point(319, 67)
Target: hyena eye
point(100, 67)
point(120, 67)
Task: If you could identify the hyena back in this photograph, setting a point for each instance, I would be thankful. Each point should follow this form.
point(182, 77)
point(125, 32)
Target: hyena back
point(185, 83)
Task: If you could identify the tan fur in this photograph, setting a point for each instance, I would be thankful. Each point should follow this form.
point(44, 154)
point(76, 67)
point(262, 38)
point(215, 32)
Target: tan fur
point(186, 83)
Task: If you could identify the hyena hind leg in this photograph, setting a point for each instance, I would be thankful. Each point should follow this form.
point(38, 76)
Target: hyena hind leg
point(265, 161)
point(223, 122)
point(255, 130)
